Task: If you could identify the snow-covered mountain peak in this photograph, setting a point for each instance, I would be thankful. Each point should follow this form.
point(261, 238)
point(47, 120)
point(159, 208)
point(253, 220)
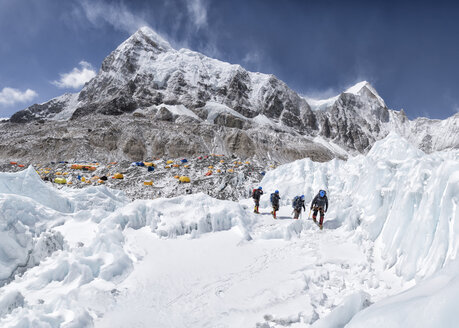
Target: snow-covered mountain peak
point(365, 89)
point(148, 34)
point(355, 89)
point(179, 85)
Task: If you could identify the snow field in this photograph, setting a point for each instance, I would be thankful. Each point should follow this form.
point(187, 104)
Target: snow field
point(90, 257)
point(221, 280)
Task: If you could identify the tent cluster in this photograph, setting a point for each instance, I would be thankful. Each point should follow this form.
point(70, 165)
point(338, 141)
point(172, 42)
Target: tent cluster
point(84, 167)
point(155, 177)
point(16, 163)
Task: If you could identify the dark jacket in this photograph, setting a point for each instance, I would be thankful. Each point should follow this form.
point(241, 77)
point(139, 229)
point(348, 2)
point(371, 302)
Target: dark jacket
point(299, 204)
point(275, 199)
point(257, 194)
point(320, 202)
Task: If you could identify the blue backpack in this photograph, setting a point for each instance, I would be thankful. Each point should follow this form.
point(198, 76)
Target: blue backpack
point(295, 201)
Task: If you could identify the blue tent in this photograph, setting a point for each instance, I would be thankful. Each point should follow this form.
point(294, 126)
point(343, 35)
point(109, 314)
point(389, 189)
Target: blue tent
point(184, 160)
point(150, 168)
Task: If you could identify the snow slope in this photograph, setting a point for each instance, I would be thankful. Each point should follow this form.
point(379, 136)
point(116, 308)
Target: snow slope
point(432, 303)
point(83, 258)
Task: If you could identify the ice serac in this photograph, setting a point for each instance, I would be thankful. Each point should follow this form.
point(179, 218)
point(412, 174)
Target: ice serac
point(147, 78)
point(405, 200)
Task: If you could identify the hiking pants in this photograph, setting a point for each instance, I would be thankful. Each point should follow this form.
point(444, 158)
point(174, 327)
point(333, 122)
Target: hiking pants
point(296, 213)
point(257, 203)
point(314, 214)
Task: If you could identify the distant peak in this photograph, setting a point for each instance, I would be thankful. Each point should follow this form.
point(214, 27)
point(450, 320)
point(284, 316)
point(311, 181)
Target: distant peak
point(152, 35)
point(358, 89)
point(355, 89)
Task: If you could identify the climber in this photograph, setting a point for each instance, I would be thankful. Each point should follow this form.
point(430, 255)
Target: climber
point(256, 194)
point(319, 203)
point(275, 202)
point(298, 203)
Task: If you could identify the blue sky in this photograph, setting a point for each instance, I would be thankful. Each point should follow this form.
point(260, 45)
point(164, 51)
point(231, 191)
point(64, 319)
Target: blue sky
point(408, 51)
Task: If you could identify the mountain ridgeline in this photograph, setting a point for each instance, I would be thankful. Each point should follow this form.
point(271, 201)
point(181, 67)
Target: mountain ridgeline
point(150, 99)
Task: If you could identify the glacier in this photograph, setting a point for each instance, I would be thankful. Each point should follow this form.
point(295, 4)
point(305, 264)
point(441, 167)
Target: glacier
point(387, 256)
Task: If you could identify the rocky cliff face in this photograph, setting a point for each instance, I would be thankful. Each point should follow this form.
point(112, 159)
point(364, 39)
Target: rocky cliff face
point(194, 103)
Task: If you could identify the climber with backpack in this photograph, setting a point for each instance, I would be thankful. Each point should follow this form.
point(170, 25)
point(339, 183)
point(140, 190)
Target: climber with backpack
point(319, 204)
point(275, 202)
point(298, 203)
point(256, 194)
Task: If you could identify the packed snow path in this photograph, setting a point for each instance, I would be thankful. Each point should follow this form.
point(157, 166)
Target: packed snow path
point(289, 274)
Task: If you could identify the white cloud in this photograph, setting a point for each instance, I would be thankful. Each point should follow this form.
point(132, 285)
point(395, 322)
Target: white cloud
point(251, 58)
point(116, 15)
point(77, 77)
point(10, 96)
point(198, 12)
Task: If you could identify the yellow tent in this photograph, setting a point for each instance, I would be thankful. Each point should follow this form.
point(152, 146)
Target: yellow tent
point(170, 161)
point(118, 176)
point(148, 164)
point(60, 180)
point(184, 179)
point(148, 183)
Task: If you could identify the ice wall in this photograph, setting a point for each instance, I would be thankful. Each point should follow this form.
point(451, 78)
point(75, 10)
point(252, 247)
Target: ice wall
point(404, 200)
